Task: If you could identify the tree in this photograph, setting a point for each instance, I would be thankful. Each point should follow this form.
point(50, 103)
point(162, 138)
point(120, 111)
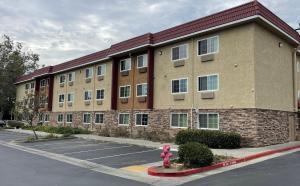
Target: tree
point(14, 61)
point(30, 108)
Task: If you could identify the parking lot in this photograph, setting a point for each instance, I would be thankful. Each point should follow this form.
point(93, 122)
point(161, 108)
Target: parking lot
point(9, 136)
point(105, 153)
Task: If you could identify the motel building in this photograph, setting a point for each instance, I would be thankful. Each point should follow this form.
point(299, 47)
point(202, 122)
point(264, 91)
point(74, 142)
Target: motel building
point(236, 70)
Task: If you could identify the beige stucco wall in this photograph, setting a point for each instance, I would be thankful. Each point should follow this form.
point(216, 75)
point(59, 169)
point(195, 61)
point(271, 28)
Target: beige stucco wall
point(80, 86)
point(234, 64)
point(273, 71)
point(20, 90)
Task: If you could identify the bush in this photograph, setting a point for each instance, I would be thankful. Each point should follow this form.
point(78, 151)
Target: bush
point(121, 132)
point(58, 130)
point(213, 139)
point(15, 123)
point(194, 154)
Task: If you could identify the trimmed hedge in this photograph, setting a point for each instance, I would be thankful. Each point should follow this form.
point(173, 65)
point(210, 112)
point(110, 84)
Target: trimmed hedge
point(194, 154)
point(211, 138)
point(59, 130)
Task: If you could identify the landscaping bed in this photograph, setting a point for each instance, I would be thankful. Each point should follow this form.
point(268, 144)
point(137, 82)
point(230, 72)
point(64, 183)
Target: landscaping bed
point(58, 130)
point(50, 137)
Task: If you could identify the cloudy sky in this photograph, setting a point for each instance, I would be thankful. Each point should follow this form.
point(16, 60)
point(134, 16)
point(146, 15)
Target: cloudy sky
point(60, 30)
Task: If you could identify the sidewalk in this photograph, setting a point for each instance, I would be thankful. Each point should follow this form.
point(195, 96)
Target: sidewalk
point(237, 153)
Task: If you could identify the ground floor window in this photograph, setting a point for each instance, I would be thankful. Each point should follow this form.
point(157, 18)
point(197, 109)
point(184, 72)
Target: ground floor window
point(69, 118)
point(179, 120)
point(41, 117)
point(99, 118)
point(86, 118)
point(141, 119)
point(60, 118)
point(47, 118)
point(124, 119)
point(208, 120)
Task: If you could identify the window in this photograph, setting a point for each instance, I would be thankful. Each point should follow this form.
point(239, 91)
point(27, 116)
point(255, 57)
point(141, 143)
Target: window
point(123, 119)
point(71, 77)
point(32, 85)
point(62, 79)
point(86, 118)
point(43, 83)
point(99, 118)
point(125, 91)
point(70, 97)
point(27, 86)
point(60, 118)
point(69, 118)
point(179, 85)
point(101, 69)
point(87, 95)
point(141, 119)
point(208, 45)
point(125, 65)
point(100, 94)
point(142, 61)
point(47, 118)
point(179, 52)
point(179, 120)
point(88, 73)
point(141, 90)
point(41, 117)
point(208, 83)
point(208, 120)
point(61, 98)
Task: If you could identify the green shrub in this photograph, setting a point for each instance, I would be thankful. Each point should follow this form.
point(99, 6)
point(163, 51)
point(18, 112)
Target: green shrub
point(194, 154)
point(121, 132)
point(58, 130)
point(14, 123)
point(213, 139)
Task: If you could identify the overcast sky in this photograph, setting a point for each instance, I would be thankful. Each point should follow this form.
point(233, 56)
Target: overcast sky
point(61, 30)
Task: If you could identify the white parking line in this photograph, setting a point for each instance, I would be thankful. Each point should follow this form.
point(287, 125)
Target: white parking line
point(93, 150)
point(73, 146)
point(130, 153)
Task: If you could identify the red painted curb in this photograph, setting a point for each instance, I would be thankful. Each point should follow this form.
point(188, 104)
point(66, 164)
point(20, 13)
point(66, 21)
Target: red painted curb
point(153, 171)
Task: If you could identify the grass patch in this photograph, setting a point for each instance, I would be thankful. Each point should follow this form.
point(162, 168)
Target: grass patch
point(66, 131)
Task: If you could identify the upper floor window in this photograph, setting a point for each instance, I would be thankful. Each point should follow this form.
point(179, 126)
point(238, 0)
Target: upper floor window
point(208, 83)
point(100, 94)
point(89, 72)
point(179, 85)
point(125, 64)
point(70, 97)
point(179, 52)
point(101, 70)
point(87, 95)
point(61, 98)
point(32, 85)
point(208, 46)
point(99, 118)
point(62, 78)
point(125, 91)
point(43, 83)
point(208, 120)
point(27, 86)
point(179, 120)
point(71, 76)
point(141, 89)
point(142, 61)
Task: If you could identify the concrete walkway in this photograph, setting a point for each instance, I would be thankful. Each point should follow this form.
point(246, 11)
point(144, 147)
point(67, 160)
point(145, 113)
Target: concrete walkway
point(238, 153)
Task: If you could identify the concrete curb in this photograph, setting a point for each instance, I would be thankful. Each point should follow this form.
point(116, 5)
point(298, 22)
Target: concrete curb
point(153, 171)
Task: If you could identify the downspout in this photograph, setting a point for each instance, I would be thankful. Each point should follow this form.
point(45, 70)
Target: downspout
point(193, 80)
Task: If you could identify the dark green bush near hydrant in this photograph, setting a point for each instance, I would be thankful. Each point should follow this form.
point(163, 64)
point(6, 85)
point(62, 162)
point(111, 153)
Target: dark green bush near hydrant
point(194, 154)
point(211, 138)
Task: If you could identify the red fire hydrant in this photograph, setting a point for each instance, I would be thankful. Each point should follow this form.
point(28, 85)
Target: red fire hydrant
point(165, 155)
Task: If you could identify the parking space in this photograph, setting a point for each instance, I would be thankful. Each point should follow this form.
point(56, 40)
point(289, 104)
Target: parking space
point(9, 136)
point(102, 152)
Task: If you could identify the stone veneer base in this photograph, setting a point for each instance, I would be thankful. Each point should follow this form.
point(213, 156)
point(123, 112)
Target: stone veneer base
point(258, 127)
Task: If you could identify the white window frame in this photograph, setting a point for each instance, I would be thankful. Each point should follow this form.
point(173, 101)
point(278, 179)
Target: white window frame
point(123, 87)
point(187, 86)
point(72, 93)
point(62, 118)
point(178, 113)
point(187, 52)
point(90, 118)
point(91, 69)
point(198, 87)
point(62, 75)
point(91, 95)
point(140, 125)
point(122, 123)
point(137, 90)
point(59, 98)
point(100, 91)
point(207, 113)
point(129, 59)
point(67, 118)
point(217, 51)
point(47, 114)
point(73, 77)
point(99, 113)
point(103, 68)
point(41, 117)
point(43, 80)
point(145, 61)
point(32, 83)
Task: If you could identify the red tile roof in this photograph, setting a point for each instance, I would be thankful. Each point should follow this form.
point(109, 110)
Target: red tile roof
point(244, 11)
